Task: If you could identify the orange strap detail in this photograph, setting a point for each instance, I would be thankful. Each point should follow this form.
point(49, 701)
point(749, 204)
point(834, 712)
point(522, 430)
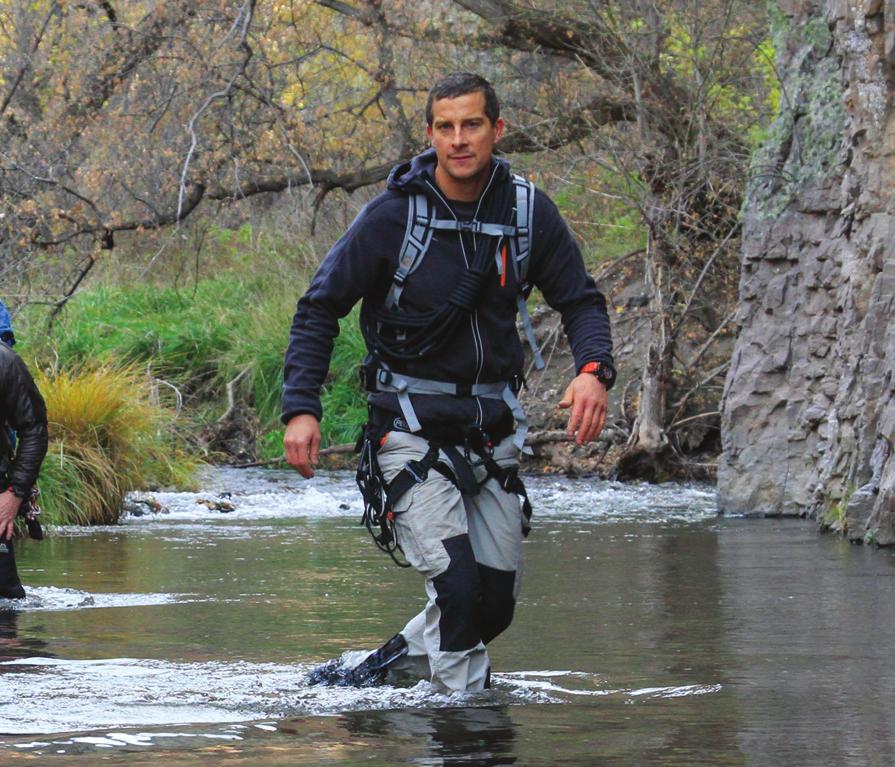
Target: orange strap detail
point(503, 266)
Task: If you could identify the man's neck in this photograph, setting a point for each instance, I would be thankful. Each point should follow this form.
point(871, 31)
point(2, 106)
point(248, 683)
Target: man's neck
point(462, 190)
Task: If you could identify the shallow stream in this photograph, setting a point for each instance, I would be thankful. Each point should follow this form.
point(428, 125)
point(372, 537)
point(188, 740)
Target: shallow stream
point(649, 632)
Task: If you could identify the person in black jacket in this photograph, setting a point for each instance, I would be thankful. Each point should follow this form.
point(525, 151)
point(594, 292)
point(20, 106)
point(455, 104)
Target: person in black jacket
point(23, 412)
point(442, 260)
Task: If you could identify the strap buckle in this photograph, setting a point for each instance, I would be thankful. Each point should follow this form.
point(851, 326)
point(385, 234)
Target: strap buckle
point(383, 376)
point(470, 226)
point(415, 470)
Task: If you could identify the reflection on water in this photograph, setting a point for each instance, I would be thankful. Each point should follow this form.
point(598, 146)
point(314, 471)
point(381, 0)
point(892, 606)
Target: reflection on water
point(649, 632)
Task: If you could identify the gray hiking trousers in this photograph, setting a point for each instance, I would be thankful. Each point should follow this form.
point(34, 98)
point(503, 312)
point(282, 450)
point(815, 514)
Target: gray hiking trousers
point(469, 549)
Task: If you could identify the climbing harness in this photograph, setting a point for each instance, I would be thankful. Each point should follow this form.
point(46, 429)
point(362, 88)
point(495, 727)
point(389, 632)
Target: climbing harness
point(380, 497)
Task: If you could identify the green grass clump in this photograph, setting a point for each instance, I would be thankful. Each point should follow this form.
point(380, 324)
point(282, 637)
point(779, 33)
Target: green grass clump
point(182, 334)
point(226, 328)
point(106, 438)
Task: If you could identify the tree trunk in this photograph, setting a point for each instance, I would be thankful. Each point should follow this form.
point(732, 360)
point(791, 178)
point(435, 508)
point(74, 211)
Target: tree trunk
point(647, 447)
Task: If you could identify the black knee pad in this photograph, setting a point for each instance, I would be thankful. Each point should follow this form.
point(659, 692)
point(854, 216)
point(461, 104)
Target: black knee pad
point(497, 604)
point(459, 594)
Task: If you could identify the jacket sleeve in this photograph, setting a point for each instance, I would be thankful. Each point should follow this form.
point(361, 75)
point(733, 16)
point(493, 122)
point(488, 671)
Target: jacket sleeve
point(557, 269)
point(349, 272)
point(24, 411)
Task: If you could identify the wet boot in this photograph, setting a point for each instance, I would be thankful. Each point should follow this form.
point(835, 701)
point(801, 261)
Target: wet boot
point(370, 672)
point(10, 585)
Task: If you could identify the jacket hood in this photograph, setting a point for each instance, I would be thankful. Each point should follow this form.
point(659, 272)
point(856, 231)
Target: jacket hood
point(411, 177)
point(6, 334)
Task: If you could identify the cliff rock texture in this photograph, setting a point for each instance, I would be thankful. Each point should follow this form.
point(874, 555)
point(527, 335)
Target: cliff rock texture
point(809, 404)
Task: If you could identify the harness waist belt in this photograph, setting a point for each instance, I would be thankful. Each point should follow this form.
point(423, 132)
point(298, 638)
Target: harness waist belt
point(404, 386)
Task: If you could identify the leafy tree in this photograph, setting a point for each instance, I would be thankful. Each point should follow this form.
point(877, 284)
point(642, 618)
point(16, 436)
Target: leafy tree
point(131, 117)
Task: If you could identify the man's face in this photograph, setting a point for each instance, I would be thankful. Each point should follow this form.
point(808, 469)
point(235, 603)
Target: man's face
point(463, 138)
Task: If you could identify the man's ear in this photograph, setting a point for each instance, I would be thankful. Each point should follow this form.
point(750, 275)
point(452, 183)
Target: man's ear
point(499, 127)
point(429, 133)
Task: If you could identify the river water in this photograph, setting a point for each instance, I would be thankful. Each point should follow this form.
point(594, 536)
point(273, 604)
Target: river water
point(649, 632)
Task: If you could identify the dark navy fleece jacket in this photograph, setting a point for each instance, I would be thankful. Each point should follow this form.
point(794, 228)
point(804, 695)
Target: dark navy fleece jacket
point(487, 349)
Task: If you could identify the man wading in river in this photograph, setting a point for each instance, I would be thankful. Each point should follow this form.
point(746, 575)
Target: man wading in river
point(23, 419)
point(443, 260)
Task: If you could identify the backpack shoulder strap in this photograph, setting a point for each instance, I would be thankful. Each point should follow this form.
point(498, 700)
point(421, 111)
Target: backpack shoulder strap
point(417, 238)
point(521, 249)
point(525, 203)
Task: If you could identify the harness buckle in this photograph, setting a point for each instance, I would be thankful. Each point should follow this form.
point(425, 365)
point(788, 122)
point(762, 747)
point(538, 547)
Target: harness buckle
point(383, 376)
point(399, 279)
point(414, 469)
point(470, 226)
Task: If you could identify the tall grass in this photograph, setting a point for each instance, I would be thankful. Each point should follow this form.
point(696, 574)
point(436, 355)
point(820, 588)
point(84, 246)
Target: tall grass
point(106, 438)
point(224, 328)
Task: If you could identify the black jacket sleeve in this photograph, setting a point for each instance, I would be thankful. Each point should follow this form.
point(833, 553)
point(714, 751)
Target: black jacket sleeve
point(349, 272)
point(22, 408)
point(557, 269)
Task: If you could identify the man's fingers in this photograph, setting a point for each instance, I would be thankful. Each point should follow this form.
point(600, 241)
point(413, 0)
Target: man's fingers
point(303, 460)
point(314, 449)
point(601, 422)
point(575, 418)
point(299, 457)
point(586, 426)
point(567, 398)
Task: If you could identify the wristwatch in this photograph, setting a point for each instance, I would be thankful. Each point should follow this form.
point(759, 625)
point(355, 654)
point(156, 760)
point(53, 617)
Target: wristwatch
point(604, 372)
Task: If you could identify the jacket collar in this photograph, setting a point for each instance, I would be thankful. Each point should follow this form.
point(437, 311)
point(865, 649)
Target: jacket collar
point(417, 174)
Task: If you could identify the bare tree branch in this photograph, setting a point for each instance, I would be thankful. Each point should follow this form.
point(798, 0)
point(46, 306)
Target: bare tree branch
point(17, 79)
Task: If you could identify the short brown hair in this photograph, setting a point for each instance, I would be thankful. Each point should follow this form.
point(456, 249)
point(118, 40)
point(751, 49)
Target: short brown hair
point(459, 84)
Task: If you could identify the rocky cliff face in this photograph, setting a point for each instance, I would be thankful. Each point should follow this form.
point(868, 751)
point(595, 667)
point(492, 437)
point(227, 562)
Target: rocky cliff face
point(809, 405)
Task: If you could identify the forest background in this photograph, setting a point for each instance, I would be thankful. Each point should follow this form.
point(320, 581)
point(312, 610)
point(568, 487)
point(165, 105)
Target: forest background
point(171, 173)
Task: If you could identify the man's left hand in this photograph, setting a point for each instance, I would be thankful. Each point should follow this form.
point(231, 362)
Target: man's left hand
point(587, 397)
point(9, 507)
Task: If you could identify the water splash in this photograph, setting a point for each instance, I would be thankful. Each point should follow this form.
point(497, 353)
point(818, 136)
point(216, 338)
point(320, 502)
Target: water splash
point(88, 695)
point(51, 598)
point(238, 498)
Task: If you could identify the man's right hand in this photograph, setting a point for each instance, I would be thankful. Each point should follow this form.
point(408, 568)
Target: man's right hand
point(9, 507)
point(302, 443)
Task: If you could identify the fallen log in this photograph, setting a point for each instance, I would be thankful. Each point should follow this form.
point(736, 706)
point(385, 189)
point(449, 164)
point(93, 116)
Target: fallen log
point(534, 439)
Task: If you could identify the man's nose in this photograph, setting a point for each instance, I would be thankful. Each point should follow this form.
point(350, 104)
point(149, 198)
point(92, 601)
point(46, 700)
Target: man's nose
point(458, 138)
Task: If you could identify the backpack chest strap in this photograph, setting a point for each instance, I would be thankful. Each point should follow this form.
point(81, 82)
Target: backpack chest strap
point(474, 227)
